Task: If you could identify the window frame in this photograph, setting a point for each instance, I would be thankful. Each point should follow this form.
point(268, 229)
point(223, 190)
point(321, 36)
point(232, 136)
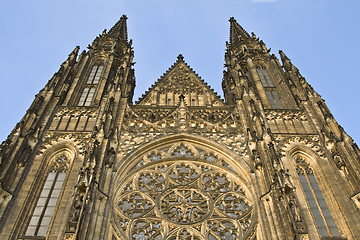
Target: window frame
point(270, 88)
point(90, 86)
point(314, 198)
point(60, 163)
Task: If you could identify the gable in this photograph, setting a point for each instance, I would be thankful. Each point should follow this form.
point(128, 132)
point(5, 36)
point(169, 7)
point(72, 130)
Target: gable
point(179, 80)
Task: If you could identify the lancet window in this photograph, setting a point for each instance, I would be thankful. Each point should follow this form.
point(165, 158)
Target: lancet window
point(91, 83)
point(319, 209)
point(95, 74)
point(45, 206)
point(264, 77)
point(269, 87)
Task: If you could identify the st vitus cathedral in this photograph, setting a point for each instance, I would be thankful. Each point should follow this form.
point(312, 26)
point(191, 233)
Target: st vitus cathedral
point(268, 162)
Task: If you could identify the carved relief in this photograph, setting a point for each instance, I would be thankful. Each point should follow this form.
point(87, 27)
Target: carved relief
point(288, 121)
point(137, 131)
point(74, 118)
point(311, 142)
point(154, 119)
point(51, 138)
point(183, 150)
point(180, 79)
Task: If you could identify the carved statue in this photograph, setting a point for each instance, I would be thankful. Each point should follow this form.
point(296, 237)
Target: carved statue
point(295, 211)
point(77, 208)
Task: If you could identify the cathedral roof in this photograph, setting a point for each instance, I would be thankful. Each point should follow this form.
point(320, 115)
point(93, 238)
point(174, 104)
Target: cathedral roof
point(180, 79)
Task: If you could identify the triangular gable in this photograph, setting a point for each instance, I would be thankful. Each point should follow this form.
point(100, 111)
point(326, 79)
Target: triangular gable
point(179, 80)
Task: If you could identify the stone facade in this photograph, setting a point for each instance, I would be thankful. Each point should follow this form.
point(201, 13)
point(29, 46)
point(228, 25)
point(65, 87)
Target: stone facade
point(268, 162)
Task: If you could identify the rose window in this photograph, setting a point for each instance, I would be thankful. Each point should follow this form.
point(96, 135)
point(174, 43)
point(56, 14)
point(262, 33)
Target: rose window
point(183, 200)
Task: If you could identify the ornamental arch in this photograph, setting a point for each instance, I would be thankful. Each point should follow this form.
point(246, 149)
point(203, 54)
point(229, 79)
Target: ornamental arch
point(49, 188)
point(313, 188)
point(183, 187)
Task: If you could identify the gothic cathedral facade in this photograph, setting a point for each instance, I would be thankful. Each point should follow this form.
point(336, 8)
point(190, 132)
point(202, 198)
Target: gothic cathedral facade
point(268, 162)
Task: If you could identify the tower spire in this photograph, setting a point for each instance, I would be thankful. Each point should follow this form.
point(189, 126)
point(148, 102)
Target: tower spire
point(120, 29)
point(237, 33)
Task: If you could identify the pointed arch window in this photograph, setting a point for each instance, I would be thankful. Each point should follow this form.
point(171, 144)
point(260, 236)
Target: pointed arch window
point(270, 89)
point(319, 209)
point(45, 206)
point(264, 77)
point(92, 81)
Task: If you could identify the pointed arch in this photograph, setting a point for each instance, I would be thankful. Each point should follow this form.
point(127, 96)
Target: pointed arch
point(195, 143)
point(302, 158)
point(48, 186)
point(183, 185)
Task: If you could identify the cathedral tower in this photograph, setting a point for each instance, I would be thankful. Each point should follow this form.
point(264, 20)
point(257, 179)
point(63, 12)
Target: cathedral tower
point(268, 162)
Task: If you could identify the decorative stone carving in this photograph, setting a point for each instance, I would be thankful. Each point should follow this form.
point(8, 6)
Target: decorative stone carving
point(302, 165)
point(180, 79)
point(170, 119)
point(310, 142)
point(183, 199)
point(182, 150)
point(286, 114)
point(79, 139)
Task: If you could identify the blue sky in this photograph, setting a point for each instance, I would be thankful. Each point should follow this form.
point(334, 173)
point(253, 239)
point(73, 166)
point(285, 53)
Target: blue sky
point(320, 36)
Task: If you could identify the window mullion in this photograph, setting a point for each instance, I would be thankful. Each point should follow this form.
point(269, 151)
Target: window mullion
point(46, 203)
point(317, 203)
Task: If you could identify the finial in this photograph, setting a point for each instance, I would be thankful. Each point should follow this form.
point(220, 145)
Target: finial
point(124, 17)
point(180, 57)
point(232, 19)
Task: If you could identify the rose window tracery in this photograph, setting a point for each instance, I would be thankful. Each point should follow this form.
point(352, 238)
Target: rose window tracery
point(183, 205)
point(183, 199)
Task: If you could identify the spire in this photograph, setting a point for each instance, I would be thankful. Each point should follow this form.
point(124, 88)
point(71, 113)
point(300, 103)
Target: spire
point(120, 29)
point(236, 31)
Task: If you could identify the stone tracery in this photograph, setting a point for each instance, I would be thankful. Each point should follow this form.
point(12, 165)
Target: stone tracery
point(178, 195)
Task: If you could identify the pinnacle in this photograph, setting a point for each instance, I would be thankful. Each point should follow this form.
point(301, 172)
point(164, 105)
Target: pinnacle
point(75, 51)
point(282, 54)
point(236, 31)
point(120, 29)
